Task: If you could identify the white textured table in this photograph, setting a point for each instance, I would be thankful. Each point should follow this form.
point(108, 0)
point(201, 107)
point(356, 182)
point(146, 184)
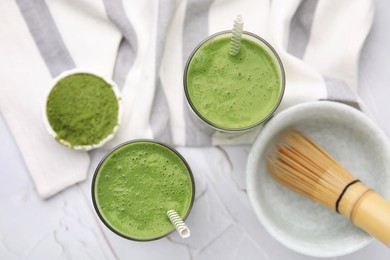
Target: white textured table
point(222, 221)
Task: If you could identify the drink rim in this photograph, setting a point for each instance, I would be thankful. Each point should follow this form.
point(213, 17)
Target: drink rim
point(282, 83)
point(108, 225)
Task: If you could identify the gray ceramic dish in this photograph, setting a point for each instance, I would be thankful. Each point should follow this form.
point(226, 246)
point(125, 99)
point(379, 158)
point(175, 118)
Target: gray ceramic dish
point(297, 222)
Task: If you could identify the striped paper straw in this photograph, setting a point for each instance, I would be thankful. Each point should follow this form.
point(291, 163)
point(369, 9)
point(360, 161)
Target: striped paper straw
point(179, 224)
point(236, 36)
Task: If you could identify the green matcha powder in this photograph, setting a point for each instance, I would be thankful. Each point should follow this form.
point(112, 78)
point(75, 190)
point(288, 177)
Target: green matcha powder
point(82, 109)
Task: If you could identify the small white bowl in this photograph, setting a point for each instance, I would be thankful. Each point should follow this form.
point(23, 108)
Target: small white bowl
point(297, 222)
point(91, 146)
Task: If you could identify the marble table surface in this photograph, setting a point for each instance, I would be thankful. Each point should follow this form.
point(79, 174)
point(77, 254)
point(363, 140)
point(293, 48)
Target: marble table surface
point(223, 223)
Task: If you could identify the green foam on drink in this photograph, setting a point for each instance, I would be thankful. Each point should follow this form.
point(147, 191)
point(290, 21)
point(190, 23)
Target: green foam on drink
point(233, 91)
point(137, 184)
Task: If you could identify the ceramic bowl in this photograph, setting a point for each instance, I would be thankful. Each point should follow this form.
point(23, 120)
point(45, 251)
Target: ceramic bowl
point(295, 221)
point(88, 147)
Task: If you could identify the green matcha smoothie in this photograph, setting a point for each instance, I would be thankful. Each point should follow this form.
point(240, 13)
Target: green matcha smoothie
point(136, 184)
point(234, 92)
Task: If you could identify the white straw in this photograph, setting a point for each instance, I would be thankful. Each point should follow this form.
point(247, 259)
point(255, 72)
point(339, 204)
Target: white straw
point(179, 224)
point(236, 35)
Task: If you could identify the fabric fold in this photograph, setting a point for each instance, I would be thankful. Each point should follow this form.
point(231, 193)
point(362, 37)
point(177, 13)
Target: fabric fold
point(144, 46)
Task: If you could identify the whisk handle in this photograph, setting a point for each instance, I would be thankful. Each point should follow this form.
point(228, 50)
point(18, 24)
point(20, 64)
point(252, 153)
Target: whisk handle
point(372, 214)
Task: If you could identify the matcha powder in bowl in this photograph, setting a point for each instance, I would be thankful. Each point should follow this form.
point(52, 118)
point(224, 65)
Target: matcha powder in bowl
point(82, 110)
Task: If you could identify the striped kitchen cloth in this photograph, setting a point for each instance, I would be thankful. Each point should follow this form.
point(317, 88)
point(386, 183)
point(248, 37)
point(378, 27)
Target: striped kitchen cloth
point(143, 46)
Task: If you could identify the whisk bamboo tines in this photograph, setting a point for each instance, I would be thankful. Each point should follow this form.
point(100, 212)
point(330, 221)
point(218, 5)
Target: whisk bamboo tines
point(300, 164)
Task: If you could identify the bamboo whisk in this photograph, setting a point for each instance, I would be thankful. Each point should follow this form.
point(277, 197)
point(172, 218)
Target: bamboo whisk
point(300, 164)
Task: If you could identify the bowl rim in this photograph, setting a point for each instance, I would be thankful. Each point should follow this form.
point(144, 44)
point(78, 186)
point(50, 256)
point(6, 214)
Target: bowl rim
point(258, 147)
point(48, 126)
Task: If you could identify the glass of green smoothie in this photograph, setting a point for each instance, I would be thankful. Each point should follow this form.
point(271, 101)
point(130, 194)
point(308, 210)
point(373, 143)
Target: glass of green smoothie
point(136, 184)
point(82, 109)
point(234, 93)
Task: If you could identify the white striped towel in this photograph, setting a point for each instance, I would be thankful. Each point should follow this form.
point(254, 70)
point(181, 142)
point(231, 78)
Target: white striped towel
point(143, 46)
